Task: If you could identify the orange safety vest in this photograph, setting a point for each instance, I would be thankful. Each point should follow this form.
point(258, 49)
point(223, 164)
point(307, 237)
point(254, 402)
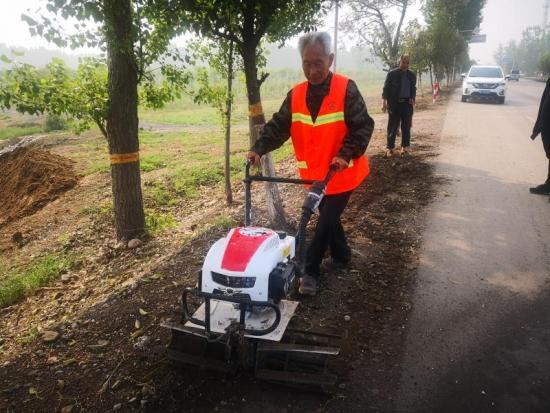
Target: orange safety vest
point(316, 143)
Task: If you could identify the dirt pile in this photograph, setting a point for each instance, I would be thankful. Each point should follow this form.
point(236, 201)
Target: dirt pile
point(30, 178)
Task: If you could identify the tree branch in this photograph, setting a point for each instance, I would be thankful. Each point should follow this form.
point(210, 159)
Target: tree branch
point(101, 127)
point(262, 79)
point(398, 31)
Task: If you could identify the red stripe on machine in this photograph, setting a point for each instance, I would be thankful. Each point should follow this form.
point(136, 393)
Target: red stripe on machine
point(242, 246)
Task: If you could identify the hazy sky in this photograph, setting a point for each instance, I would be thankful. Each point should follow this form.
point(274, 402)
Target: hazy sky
point(503, 20)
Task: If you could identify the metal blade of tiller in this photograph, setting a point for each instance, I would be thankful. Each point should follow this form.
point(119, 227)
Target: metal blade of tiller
point(301, 359)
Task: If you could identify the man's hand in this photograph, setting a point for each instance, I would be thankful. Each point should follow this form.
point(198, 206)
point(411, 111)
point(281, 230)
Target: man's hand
point(411, 102)
point(384, 105)
point(253, 157)
point(340, 163)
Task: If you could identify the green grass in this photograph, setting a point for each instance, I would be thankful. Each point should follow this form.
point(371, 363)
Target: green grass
point(158, 222)
point(224, 222)
point(150, 163)
point(10, 132)
point(104, 209)
point(92, 154)
point(157, 194)
point(14, 284)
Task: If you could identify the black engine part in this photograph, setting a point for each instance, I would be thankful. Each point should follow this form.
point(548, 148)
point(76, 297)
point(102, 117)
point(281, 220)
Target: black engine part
point(280, 280)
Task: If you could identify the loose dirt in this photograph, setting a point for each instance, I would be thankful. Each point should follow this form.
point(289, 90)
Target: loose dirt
point(31, 178)
point(110, 351)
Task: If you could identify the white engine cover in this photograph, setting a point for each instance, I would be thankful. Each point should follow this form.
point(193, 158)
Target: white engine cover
point(246, 255)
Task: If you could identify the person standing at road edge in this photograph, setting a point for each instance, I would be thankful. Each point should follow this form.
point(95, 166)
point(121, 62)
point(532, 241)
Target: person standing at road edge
point(542, 126)
point(399, 94)
point(328, 121)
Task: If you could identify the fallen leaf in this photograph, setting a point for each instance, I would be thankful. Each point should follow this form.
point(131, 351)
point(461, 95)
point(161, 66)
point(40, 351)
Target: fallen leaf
point(143, 312)
point(104, 387)
point(50, 336)
point(137, 333)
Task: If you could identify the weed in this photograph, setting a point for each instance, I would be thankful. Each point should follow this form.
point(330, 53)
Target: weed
point(97, 166)
point(152, 162)
point(157, 194)
point(103, 209)
point(16, 284)
point(158, 222)
point(29, 336)
point(64, 240)
point(224, 221)
point(187, 180)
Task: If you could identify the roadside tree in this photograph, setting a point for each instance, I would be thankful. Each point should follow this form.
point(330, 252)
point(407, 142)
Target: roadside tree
point(222, 57)
point(370, 22)
point(247, 23)
point(134, 34)
point(544, 64)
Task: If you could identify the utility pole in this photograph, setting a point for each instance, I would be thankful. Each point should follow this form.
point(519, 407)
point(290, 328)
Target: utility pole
point(335, 33)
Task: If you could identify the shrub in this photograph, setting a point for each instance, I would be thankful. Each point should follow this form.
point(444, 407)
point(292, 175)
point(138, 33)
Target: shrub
point(54, 122)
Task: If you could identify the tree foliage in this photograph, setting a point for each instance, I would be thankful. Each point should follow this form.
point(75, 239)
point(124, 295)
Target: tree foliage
point(370, 22)
point(82, 95)
point(246, 24)
point(222, 58)
point(526, 53)
point(135, 34)
point(442, 45)
point(544, 63)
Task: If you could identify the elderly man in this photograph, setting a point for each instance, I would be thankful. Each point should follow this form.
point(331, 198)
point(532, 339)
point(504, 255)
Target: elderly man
point(399, 94)
point(328, 121)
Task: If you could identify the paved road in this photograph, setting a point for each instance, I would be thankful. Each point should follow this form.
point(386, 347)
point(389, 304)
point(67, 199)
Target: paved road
point(479, 333)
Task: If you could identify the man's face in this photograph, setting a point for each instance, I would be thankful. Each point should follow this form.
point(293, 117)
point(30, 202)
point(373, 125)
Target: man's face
point(316, 63)
point(404, 63)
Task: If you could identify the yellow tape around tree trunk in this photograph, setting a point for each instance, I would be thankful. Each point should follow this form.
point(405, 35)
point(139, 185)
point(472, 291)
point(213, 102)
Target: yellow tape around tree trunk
point(118, 158)
point(255, 110)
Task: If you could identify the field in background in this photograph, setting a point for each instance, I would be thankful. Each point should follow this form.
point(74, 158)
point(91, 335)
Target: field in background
point(184, 112)
point(274, 90)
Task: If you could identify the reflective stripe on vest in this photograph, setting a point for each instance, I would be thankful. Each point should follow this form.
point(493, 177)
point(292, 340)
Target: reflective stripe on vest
point(321, 120)
point(316, 143)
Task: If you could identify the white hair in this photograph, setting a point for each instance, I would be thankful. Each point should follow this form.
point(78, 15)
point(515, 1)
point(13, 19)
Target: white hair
point(323, 38)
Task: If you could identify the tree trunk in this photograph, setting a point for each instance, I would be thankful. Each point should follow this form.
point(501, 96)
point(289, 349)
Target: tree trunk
point(431, 79)
point(228, 102)
point(122, 120)
point(256, 120)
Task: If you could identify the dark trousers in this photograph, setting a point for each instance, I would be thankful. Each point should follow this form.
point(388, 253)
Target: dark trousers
point(329, 233)
point(546, 144)
point(400, 113)
point(545, 136)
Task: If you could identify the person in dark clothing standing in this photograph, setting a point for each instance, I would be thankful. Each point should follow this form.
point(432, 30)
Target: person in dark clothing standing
point(399, 94)
point(327, 119)
point(542, 126)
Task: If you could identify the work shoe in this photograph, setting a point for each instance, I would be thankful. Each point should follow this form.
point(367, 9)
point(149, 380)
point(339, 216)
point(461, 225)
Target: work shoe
point(542, 189)
point(331, 265)
point(308, 285)
point(390, 153)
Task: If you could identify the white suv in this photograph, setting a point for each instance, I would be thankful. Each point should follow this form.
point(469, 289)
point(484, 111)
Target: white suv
point(484, 82)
